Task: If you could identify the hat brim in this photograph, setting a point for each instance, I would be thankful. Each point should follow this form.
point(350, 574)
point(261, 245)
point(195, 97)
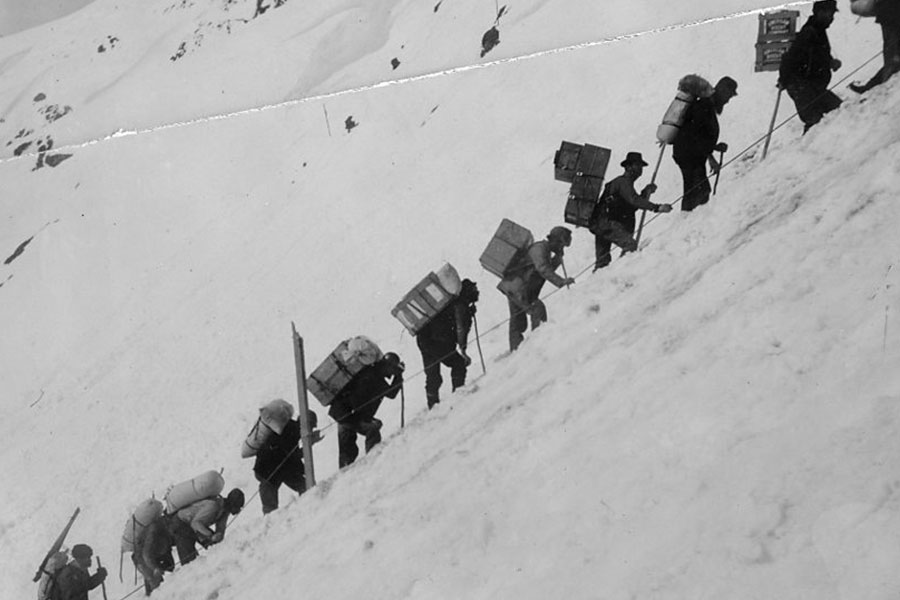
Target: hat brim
point(625, 163)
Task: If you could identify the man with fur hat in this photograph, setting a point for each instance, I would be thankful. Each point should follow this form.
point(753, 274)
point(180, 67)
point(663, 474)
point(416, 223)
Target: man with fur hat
point(443, 340)
point(203, 522)
point(522, 285)
point(698, 139)
point(355, 406)
point(74, 582)
point(613, 219)
point(806, 67)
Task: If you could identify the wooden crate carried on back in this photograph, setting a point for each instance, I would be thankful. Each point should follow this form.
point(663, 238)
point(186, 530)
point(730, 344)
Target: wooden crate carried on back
point(503, 251)
point(584, 166)
point(429, 297)
point(349, 358)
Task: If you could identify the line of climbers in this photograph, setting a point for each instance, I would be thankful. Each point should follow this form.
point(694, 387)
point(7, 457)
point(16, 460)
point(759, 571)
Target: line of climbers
point(806, 67)
point(192, 512)
point(355, 378)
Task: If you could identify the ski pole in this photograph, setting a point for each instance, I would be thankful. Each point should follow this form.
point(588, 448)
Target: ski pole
point(102, 583)
point(402, 407)
point(478, 344)
point(719, 170)
point(566, 275)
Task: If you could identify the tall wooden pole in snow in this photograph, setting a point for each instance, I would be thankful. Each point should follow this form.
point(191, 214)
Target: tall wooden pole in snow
point(772, 124)
point(303, 404)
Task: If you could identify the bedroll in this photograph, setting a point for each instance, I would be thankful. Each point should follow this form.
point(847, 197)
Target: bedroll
point(863, 8)
point(349, 358)
point(206, 485)
point(143, 516)
point(47, 587)
point(272, 417)
point(690, 87)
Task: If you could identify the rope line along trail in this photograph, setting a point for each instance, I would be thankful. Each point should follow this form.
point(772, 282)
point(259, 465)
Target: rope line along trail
point(764, 137)
point(120, 133)
point(505, 321)
point(587, 268)
point(580, 273)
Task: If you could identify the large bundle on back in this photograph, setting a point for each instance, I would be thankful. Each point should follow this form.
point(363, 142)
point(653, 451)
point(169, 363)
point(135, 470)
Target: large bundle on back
point(273, 416)
point(143, 516)
point(690, 87)
point(206, 485)
point(349, 358)
point(584, 166)
point(505, 250)
point(47, 586)
point(864, 8)
point(428, 298)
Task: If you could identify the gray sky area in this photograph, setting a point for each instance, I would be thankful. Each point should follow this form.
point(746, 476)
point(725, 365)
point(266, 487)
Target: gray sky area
point(17, 15)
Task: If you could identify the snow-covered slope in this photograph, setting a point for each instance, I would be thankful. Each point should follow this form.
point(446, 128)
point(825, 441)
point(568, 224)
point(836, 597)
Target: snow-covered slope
point(714, 416)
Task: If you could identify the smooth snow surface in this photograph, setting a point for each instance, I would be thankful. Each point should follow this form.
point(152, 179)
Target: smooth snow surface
point(713, 417)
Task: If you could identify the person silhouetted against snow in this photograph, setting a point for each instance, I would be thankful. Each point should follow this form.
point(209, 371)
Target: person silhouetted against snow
point(613, 220)
point(523, 283)
point(355, 406)
point(203, 522)
point(887, 14)
point(280, 461)
point(74, 582)
point(806, 67)
point(152, 554)
point(443, 341)
point(47, 588)
point(697, 139)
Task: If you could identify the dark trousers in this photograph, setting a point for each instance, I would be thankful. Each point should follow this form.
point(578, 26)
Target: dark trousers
point(268, 488)
point(435, 355)
point(607, 233)
point(153, 573)
point(890, 35)
point(347, 432)
point(185, 539)
point(696, 185)
point(812, 103)
point(518, 320)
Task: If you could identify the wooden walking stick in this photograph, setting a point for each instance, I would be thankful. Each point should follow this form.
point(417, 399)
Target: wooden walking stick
point(478, 344)
point(719, 170)
point(102, 583)
point(402, 407)
point(637, 238)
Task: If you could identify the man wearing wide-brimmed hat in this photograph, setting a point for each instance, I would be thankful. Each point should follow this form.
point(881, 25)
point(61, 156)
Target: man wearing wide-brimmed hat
point(613, 219)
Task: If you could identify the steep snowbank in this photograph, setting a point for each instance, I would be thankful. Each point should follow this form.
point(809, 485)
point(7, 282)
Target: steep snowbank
point(714, 415)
